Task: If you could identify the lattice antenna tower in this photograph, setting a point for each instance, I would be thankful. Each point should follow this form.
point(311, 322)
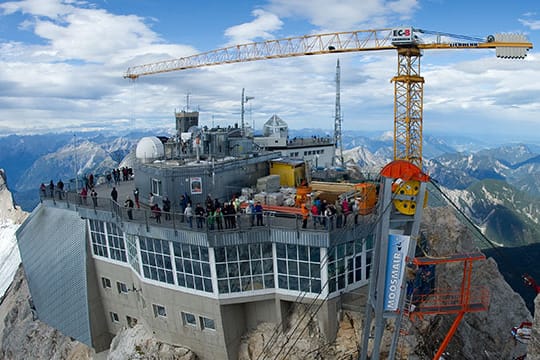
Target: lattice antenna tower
point(338, 119)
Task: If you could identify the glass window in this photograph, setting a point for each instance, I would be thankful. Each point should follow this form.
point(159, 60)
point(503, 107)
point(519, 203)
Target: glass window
point(345, 265)
point(133, 258)
point(114, 317)
point(98, 237)
point(122, 287)
point(156, 187)
point(106, 283)
point(131, 321)
point(189, 319)
point(298, 268)
point(193, 266)
point(159, 310)
point(116, 242)
point(207, 323)
point(244, 267)
point(156, 260)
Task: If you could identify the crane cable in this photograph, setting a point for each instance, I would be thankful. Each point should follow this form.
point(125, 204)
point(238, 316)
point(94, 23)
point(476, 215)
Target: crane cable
point(465, 217)
point(379, 217)
point(276, 333)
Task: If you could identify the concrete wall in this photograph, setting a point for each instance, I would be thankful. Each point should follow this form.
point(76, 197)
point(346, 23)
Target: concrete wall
point(138, 303)
point(99, 327)
point(221, 180)
point(260, 311)
point(234, 326)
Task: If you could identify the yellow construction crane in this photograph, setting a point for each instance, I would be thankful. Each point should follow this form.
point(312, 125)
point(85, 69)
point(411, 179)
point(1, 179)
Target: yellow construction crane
point(408, 84)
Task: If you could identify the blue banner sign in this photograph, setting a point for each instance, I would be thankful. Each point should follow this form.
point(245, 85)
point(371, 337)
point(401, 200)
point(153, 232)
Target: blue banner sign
point(398, 246)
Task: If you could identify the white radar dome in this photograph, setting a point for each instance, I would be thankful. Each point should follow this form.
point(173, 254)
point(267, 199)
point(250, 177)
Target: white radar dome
point(149, 148)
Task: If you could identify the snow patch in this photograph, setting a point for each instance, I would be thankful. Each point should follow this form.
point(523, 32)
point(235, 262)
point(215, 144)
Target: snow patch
point(9, 254)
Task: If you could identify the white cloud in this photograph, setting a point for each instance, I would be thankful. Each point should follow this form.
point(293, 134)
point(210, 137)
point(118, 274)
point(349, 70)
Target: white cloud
point(531, 24)
point(261, 27)
point(72, 79)
point(346, 14)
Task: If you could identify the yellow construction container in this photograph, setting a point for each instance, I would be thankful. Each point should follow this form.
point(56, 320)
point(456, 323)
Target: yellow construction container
point(291, 172)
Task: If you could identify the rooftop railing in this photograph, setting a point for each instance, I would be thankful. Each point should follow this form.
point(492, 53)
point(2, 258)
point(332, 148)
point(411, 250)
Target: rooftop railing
point(209, 222)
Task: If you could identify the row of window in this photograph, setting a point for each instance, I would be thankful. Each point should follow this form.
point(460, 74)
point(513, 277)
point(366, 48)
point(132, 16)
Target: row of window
point(131, 321)
point(188, 319)
point(159, 310)
point(238, 268)
point(120, 286)
point(295, 154)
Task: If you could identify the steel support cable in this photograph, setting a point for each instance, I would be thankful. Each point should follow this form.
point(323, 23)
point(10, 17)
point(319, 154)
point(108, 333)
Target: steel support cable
point(502, 256)
point(379, 217)
point(277, 332)
point(465, 217)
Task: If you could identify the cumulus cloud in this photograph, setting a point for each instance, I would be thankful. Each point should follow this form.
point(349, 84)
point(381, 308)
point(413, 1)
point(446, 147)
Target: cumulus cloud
point(72, 74)
point(346, 14)
point(71, 77)
point(260, 28)
point(530, 23)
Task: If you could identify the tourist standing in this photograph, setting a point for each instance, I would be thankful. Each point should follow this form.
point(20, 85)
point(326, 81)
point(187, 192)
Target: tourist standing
point(199, 213)
point(129, 205)
point(84, 195)
point(188, 213)
point(218, 215)
point(51, 188)
point(305, 215)
point(167, 207)
point(93, 195)
point(60, 188)
point(136, 196)
point(114, 194)
point(259, 213)
point(43, 190)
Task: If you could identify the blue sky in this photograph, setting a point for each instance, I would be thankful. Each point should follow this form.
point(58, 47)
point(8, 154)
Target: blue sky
point(61, 65)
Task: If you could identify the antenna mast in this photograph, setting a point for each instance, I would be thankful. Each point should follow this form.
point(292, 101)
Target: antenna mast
point(187, 101)
point(245, 99)
point(337, 121)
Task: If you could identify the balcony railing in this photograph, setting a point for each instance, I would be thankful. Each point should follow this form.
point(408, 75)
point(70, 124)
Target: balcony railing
point(177, 220)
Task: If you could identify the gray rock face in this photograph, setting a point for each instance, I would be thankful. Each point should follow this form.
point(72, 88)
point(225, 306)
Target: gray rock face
point(8, 210)
point(533, 351)
point(138, 343)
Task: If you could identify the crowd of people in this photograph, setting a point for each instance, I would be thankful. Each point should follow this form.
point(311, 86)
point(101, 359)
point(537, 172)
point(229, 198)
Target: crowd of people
point(215, 214)
point(88, 184)
point(53, 190)
point(330, 215)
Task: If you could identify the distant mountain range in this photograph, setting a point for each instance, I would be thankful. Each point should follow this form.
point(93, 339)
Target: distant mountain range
point(31, 160)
